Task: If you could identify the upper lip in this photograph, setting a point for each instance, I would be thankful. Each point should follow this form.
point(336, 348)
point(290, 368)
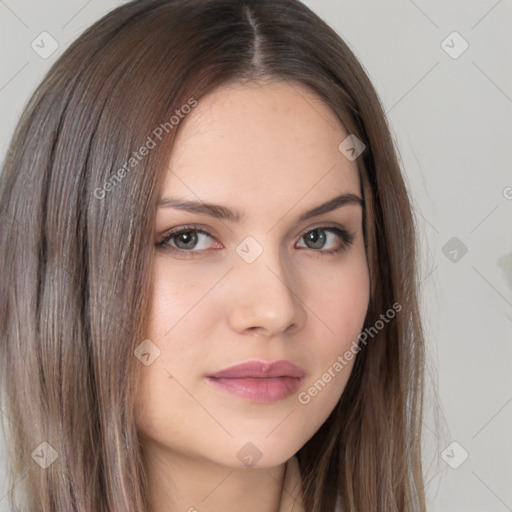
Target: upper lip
point(261, 370)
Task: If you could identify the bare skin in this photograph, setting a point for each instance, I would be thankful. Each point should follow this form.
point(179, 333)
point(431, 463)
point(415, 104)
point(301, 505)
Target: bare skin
point(271, 152)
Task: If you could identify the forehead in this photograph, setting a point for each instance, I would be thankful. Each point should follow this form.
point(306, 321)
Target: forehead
point(242, 141)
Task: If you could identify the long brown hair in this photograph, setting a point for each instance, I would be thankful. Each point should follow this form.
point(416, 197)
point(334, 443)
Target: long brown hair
point(76, 248)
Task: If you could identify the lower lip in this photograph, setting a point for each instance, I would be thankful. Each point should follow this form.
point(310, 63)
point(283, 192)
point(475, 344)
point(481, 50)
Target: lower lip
point(259, 390)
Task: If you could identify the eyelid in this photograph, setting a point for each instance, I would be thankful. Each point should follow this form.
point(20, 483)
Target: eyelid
point(206, 231)
point(209, 231)
point(186, 227)
point(325, 224)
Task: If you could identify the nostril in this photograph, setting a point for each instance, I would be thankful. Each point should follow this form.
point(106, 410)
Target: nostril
point(256, 330)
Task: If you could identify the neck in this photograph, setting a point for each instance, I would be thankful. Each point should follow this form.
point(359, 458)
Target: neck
point(179, 483)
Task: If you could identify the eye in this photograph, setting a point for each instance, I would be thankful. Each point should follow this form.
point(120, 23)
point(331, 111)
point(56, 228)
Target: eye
point(318, 237)
point(187, 241)
point(185, 238)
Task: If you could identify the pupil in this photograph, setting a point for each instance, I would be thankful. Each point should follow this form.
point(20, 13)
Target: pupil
point(315, 238)
point(188, 238)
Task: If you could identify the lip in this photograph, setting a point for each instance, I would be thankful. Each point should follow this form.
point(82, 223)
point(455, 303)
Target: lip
point(259, 381)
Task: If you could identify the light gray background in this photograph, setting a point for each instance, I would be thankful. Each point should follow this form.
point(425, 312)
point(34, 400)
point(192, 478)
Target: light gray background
point(451, 120)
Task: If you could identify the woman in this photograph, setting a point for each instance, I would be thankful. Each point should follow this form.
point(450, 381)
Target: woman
point(209, 292)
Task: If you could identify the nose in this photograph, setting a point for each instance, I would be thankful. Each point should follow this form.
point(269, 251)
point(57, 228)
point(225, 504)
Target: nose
point(265, 297)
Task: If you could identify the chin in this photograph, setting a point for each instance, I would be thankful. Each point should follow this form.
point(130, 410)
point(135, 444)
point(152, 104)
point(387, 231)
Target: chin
point(259, 452)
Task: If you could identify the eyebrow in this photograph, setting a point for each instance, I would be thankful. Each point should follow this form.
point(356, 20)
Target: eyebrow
point(233, 215)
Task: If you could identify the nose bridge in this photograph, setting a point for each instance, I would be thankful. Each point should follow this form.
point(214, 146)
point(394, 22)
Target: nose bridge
point(266, 297)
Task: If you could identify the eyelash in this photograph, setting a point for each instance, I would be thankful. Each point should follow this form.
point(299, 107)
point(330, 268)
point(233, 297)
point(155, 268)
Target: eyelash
point(347, 239)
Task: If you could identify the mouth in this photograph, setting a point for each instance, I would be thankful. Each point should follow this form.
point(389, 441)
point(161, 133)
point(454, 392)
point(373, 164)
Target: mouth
point(259, 381)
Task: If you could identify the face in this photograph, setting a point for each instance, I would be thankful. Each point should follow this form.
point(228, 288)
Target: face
point(273, 285)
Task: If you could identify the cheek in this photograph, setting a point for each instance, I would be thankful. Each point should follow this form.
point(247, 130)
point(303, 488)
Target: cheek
point(339, 296)
point(353, 292)
point(178, 293)
point(179, 299)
